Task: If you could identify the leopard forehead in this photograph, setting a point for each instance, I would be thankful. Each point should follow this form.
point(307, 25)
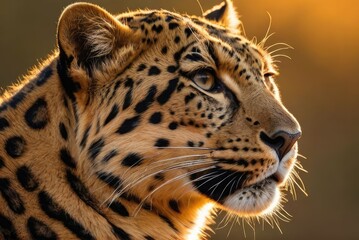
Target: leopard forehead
point(228, 49)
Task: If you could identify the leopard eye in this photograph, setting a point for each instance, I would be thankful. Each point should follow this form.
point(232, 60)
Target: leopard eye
point(205, 79)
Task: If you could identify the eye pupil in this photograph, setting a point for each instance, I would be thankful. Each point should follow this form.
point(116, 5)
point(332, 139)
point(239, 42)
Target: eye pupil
point(204, 79)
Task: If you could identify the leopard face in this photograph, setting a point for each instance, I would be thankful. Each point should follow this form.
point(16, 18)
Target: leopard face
point(194, 113)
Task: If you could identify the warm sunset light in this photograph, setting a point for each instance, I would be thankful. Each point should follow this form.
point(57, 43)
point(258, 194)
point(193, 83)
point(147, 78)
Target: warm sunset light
point(274, 204)
point(200, 222)
point(315, 48)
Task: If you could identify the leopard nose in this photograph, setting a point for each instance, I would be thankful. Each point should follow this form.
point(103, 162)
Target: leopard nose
point(282, 142)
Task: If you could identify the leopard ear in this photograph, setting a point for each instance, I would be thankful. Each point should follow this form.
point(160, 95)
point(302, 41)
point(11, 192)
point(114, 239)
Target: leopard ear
point(225, 14)
point(89, 34)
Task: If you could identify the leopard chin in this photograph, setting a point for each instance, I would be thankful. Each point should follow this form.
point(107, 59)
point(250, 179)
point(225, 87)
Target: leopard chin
point(257, 199)
point(232, 191)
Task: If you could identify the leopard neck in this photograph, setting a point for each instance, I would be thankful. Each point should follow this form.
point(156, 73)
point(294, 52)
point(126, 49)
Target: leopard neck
point(58, 181)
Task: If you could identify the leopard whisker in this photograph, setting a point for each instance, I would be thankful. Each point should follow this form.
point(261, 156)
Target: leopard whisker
point(193, 148)
point(302, 156)
point(276, 44)
point(281, 55)
point(217, 184)
point(267, 35)
point(279, 49)
point(170, 181)
point(170, 168)
point(179, 157)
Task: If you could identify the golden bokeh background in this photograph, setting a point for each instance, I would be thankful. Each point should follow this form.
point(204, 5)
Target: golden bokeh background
point(320, 86)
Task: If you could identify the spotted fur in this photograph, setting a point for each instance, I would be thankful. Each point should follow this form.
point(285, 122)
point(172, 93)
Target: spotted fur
point(137, 123)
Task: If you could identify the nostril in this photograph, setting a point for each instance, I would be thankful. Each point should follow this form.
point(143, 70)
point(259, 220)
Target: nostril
point(282, 142)
point(275, 143)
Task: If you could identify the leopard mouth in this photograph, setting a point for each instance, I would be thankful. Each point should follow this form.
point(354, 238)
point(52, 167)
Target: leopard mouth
point(230, 191)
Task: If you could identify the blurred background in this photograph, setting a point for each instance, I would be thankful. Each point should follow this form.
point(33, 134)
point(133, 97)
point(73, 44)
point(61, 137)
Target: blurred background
point(320, 86)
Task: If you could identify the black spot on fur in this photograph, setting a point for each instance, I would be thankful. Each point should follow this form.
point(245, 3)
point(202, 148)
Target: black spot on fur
point(3, 123)
point(120, 233)
point(128, 98)
point(141, 67)
point(171, 69)
point(188, 32)
point(63, 131)
point(110, 179)
point(3, 107)
point(109, 156)
point(156, 118)
point(11, 197)
point(37, 115)
point(212, 52)
point(156, 28)
point(173, 125)
point(147, 101)
point(7, 229)
point(154, 71)
point(26, 178)
point(15, 146)
point(2, 164)
point(166, 94)
point(39, 230)
point(132, 160)
point(164, 50)
point(189, 97)
point(131, 198)
point(16, 99)
point(190, 144)
point(84, 137)
point(162, 142)
point(195, 57)
point(168, 221)
point(174, 205)
point(149, 238)
point(66, 158)
point(173, 25)
point(44, 75)
point(112, 114)
point(159, 176)
point(242, 72)
point(177, 39)
point(119, 208)
point(129, 124)
point(95, 148)
point(54, 211)
point(180, 87)
point(80, 190)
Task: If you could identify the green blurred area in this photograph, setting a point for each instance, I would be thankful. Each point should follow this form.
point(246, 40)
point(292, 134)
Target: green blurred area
point(320, 86)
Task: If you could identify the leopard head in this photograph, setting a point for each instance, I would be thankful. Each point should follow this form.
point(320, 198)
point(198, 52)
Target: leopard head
point(171, 106)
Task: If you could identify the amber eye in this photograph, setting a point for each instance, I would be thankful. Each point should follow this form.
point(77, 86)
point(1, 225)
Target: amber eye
point(205, 79)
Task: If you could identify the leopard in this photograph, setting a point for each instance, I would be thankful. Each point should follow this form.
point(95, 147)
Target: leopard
point(140, 125)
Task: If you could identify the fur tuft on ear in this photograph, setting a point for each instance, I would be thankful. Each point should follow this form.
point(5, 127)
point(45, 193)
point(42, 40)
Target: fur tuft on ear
point(225, 14)
point(89, 33)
